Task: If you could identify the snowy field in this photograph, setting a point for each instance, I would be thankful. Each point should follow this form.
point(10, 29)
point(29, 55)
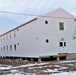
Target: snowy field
point(67, 67)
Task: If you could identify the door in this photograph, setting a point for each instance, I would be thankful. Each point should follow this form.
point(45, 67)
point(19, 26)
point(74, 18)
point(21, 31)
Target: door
point(62, 47)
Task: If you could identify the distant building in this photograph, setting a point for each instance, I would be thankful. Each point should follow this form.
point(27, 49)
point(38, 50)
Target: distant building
point(51, 35)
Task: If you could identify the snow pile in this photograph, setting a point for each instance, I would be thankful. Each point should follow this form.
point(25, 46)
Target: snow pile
point(57, 66)
point(68, 61)
point(62, 68)
point(65, 73)
point(5, 67)
point(49, 70)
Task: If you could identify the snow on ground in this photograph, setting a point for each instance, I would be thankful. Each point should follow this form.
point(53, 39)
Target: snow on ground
point(49, 70)
point(57, 66)
point(68, 61)
point(5, 67)
point(65, 73)
point(56, 70)
point(62, 68)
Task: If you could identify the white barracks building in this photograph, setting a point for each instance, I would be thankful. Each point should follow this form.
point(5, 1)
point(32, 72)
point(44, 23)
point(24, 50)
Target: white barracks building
point(51, 35)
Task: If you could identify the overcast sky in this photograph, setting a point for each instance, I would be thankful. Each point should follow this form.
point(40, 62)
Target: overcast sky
point(36, 7)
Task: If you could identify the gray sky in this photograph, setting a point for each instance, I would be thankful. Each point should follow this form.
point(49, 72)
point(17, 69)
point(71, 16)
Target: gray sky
point(36, 7)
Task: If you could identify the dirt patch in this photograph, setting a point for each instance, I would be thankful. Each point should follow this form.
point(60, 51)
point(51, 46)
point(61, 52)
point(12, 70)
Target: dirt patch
point(8, 66)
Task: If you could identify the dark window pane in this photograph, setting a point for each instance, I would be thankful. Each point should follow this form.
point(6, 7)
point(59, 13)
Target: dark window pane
point(14, 34)
point(4, 48)
point(46, 22)
point(10, 47)
point(7, 48)
point(14, 47)
point(61, 44)
point(18, 43)
point(1, 48)
point(64, 43)
point(61, 25)
point(47, 40)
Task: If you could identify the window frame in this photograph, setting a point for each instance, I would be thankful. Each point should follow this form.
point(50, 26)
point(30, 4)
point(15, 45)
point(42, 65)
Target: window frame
point(62, 44)
point(61, 25)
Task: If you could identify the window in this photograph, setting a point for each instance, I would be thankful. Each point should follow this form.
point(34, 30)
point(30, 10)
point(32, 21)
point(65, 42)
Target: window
point(4, 48)
point(74, 36)
point(14, 47)
point(64, 43)
point(6, 36)
point(17, 29)
point(7, 48)
point(10, 35)
point(47, 41)
point(46, 22)
point(61, 26)
point(18, 43)
point(14, 34)
point(10, 47)
point(1, 48)
point(3, 37)
point(74, 19)
point(61, 44)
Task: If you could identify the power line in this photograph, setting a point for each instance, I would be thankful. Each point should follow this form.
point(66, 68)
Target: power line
point(17, 13)
point(6, 12)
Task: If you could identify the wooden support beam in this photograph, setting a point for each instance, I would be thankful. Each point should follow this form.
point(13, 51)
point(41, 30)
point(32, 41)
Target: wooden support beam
point(39, 59)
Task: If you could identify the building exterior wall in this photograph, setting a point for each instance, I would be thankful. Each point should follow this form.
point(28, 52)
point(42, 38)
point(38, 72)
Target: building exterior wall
point(37, 38)
point(52, 32)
